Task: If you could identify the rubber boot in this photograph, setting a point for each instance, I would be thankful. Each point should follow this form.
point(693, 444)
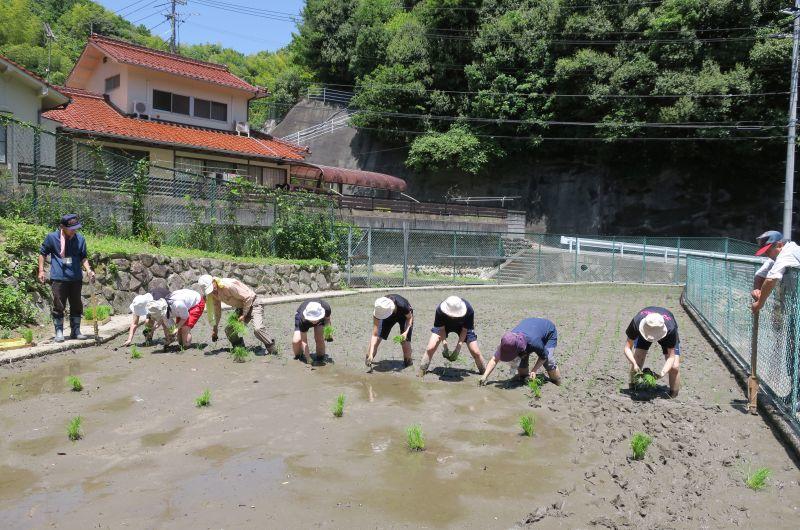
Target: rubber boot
point(59, 325)
point(75, 326)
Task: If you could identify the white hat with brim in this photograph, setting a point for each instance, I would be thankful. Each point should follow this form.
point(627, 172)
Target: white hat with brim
point(653, 328)
point(384, 308)
point(157, 309)
point(314, 312)
point(454, 307)
point(139, 304)
point(207, 283)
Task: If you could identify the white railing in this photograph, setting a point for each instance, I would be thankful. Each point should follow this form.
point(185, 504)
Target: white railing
point(329, 95)
point(637, 248)
point(326, 127)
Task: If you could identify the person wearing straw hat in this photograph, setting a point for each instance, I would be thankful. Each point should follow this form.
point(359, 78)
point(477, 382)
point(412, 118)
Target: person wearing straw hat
point(185, 306)
point(532, 335)
point(243, 299)
point(139, 310)
point(67, 251)
point(454, 315)
point(654, 324)
point(390, 310)
point(783, 254)
point(311, 314)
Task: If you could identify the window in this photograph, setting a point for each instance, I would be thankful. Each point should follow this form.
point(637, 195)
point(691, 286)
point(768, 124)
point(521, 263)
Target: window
point(170, 102)
point(210, 109)
point(3, 142)
point(112, 83)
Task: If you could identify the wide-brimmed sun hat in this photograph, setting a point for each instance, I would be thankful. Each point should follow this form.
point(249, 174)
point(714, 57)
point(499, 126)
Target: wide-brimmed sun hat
point(653, 328)
point(766, 240)
point(314, 312)
point(384, 308)
point(453, 307)
point(511, 345)
point(206, 283)
point(139, 304)
point(157, 309)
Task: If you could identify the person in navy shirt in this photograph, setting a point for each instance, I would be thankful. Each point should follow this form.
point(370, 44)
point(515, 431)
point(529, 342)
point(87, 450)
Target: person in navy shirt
point(532, 335)
point(67, 251)
point(655, 324)
point(390, 310)
point(454, 315)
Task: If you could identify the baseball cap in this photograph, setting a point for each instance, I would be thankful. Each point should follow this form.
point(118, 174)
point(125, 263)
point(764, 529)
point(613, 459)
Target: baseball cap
point(766, 240)
point(511, 345)
point(70, 221)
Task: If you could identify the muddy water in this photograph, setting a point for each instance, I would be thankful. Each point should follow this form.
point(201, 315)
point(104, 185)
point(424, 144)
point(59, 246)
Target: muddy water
point(269, 454)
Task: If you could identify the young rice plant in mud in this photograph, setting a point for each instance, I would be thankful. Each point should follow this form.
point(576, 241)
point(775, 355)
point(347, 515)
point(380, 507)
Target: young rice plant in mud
point(74, 428)
point(338, 407)
point(135, 353)
point(327, 333)
point(204, 400)
point(414, 438)
point(74, 383)
point(757, 480)
point(535, 384)
point(639, 444)
point(398, 339)
point(239, 354)
point(527, 422)
point(235, 327)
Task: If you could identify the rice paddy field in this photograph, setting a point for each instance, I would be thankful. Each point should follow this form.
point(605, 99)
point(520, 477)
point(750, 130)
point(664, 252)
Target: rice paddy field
point(195, 440)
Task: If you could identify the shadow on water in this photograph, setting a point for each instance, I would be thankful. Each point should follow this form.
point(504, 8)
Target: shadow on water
point(388, 365)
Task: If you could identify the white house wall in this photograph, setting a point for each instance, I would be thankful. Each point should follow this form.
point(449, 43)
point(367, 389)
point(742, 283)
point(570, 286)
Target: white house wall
point(97, 82)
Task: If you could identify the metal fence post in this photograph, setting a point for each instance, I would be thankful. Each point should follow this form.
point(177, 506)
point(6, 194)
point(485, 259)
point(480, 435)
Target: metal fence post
point(613, 256)
point(349, 256)
point(726, 247)
point(454, 253)
point(369, 256)
point(37, 150)
point(539, 263)
point(405, 254)
point(678, 263)
point(575, 261)
point(644, 259)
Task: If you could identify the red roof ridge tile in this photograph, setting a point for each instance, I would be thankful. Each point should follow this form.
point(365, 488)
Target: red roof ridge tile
point(144, 49)
point(78, 92)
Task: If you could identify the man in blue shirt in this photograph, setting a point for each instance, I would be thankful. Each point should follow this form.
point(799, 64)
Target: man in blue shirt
point(67, 251)
point(532, 335)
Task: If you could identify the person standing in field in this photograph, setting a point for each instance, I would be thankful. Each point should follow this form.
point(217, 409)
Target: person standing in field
point(311, 314)
point(243, 299)
point(532, 335)
point(454, 315)
point(139, 311)
point(390, 310)
point(185, 306)
point(784, 254)
point(67, 251)
point(654, 324)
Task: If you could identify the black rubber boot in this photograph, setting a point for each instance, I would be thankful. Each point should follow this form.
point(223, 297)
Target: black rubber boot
point(75, 326)
point(59, 325)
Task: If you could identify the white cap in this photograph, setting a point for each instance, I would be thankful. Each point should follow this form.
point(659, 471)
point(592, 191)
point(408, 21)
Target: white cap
point(314, 312)
point(384, 307)
point(157, 309)
point(139, 305)
point(653, 328)
point(207, 283)
point(453, 307)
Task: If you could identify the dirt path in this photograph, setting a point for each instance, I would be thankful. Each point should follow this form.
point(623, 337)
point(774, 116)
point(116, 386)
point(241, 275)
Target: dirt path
point(269, 454)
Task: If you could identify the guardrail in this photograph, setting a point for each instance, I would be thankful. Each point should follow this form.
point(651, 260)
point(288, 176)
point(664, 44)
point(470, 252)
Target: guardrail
point(643, 248)
point(329, 95)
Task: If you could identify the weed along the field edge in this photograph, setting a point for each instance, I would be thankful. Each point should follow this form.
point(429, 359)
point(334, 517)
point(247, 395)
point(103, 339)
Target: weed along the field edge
point(74, 383)
point(639, 444)
point(204, 400)
point(338, 406)
point(528, 424)
point(74, 428)
point(415, 439)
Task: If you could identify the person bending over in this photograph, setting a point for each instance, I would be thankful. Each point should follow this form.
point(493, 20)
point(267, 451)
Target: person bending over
point(454, 315)
point(390, 310)
point(532, 335)
point(654, 324)
point(311, 314)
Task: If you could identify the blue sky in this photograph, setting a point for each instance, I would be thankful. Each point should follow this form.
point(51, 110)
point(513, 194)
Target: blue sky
point(247, 32)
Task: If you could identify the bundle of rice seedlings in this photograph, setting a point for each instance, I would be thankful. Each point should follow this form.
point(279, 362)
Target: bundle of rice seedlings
point(234, 328)
point(398, 339)
point(239, 354)
point(527, 422)
point(338, 406)
point(74, 428)
point(74, 383)
point(414, 438)
point(639, 444)
point(327, 333)
point(204, 400)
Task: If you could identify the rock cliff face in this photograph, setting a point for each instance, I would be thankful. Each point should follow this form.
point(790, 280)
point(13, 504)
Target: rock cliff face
point(704, 189)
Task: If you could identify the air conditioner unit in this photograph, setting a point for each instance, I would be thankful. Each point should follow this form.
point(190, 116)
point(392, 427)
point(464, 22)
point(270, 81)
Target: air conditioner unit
point(242, 127)
point(140, 109)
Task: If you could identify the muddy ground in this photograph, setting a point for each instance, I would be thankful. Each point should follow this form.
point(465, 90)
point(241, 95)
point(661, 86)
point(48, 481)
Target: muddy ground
point(269, 454)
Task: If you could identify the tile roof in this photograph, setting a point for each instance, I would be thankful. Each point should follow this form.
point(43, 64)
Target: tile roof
point(128, 53)
point(91, 113)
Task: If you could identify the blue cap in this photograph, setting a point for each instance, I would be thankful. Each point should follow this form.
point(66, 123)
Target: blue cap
point(70, 221)
point(767, 239)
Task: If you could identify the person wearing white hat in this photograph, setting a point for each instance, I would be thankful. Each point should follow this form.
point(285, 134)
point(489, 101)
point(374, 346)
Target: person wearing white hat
point(454, 315)
point(139, 310)
point(243, 299)
point(311, 314)
point(390, 310)
point(655, 324)
point(185, 306)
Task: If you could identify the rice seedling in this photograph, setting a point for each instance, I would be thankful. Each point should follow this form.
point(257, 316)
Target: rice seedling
point(74, 428)
point(239, 354)
point(535, 384)
point(135, 353)
point(327, 332)
point(235, 328)
point(74, 383)
point(639, 444)
point(757, 480)
point(27, 334)
point(338, 407)
point(448, 354)
point(398, 339)
point(527, 422)
point(204, 400)
point(414, 438)
point(645, 381)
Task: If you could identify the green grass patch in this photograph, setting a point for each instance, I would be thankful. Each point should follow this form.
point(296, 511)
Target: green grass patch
point(74, 431)
point(27, 334)
point(240, 354)
point(757, 480)
point(328, 331)
point(204, 400)
point(528, 423)
point(135, 353)
point(100, 312)
point(415, 439)
point(639, 444)
point(338, 406)
point(74, 383)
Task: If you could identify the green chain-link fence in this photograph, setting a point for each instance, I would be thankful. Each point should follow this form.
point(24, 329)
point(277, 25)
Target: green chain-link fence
point(718, 290)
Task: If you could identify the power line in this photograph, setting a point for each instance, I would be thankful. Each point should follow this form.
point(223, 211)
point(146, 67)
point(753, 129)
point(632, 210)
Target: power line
point(120, 10)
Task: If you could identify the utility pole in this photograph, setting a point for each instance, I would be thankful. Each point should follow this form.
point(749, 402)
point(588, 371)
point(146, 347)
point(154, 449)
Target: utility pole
point(174, 21)
point(788, 190)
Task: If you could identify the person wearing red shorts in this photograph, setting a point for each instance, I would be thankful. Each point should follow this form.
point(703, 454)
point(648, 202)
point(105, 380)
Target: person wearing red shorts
point(185, 306)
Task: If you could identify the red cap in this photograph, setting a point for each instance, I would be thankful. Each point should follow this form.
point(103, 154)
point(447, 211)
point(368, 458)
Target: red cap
point(762, 250)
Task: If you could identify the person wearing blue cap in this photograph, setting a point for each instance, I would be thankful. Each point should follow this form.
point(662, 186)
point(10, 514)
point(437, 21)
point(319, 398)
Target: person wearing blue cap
point(781, 254)
point(67, 251)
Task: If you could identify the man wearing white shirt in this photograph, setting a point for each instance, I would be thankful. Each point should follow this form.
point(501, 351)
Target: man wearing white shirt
point(785, 254)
